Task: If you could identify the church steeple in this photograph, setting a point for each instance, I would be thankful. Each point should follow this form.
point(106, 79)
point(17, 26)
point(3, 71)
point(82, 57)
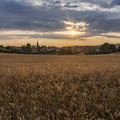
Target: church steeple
point(37, 44)
point(38, 47)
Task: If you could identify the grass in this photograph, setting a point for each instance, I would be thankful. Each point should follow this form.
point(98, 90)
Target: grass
point(44, 87)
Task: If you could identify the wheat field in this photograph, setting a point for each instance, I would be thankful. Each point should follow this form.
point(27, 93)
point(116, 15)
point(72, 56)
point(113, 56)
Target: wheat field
point(55, 87)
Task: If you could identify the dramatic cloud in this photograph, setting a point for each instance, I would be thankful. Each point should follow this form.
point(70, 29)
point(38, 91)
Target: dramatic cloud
point(115, 2)
point(49, 18)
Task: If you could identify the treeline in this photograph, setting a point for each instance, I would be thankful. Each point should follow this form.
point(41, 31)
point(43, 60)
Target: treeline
point(68, 50)
point(9, 49)
point(27, 49)
point(105, 48)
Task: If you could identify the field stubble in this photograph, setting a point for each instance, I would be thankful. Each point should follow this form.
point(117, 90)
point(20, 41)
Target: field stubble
point(59, 87)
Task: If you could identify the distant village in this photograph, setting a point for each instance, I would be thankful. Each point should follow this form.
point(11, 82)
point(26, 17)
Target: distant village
point(105, 48)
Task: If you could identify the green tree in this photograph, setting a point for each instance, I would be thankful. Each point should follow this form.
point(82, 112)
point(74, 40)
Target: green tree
point(26, 49)
point(29, 48)
point(112, 48)
point(104, 49)
point(68, 50)
point(91, 50)
point(8, 49)
point(2, 48)
point(119, 48)
point(107, 48)
point(14, 50)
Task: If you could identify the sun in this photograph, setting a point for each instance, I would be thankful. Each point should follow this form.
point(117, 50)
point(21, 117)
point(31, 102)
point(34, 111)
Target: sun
point(73, 32)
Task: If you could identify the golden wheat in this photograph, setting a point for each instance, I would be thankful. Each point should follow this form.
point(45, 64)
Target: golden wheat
point(34, 87)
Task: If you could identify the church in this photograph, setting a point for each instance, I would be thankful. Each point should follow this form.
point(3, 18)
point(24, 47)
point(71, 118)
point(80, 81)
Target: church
point(37, 49)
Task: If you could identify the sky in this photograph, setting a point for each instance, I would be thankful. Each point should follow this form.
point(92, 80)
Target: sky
point(59, 22)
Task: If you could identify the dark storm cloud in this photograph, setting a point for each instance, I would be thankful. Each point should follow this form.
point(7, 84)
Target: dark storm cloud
point(56, 2)
point(24, 15)
point(71, 6)
point(101, 3)
point(116, 2)
point(18, 15)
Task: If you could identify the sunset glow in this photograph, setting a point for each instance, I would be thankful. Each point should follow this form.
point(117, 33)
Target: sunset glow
point(54, 21)
point(73, 32)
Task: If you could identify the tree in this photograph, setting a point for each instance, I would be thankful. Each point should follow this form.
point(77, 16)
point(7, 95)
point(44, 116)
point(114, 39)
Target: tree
point(91, 50)
point(26, 49)
point(8, 49)
point(119, 48)
point(1, 48)
point(104, 49)
point(112, 48)
point(107, 48)
point(68, 50)
point(14, 50)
